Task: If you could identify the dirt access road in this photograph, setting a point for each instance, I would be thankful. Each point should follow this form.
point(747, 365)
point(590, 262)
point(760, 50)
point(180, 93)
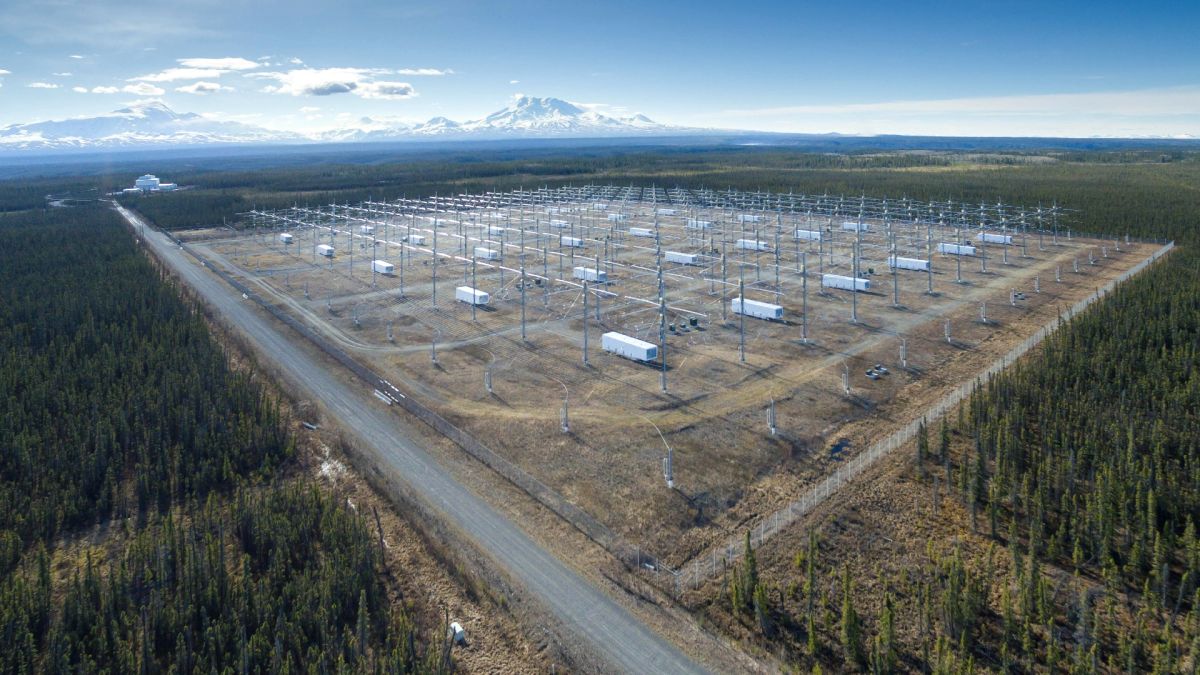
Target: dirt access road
point(612, 632)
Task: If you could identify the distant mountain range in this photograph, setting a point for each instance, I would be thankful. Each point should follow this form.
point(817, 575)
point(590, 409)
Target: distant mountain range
point(154, 125)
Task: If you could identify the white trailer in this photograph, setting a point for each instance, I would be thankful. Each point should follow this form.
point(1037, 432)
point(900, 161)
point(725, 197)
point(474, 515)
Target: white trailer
point(667, 212)
point(854, 225)
point(589, 274)
point(641, 232)
point(417, 239)
point(748, 218)
point(845, 283)
point(695, 224)
point(908, 263)
point(552, 210)
point(808, 235)
point(570, 242)
point(487, 253)
point(629, 347)
point(495, 230)
point(471, 296)
point(325, 250)
point(681, 258)
point(955, 249)
point(560, 224)
point(383, 266)
point(600, 206)
point(366, 229)
point(989, 238)
point(617, 217)
point(756, 309)
point(753, 245)
point(285, 238)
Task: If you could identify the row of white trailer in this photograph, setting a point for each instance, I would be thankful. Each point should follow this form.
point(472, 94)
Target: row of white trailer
point(845, 283)
point(755, 308)
point(629, 347)
point(471, 296)
point(590, 274)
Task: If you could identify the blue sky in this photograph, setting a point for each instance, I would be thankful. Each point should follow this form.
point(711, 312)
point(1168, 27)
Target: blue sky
point(945, 68)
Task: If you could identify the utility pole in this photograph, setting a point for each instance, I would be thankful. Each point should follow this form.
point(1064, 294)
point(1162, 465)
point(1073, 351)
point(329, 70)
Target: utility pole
point(523, 282)
point(585, 322)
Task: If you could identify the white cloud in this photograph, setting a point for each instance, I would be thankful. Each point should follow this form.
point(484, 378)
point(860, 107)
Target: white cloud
point(4, 72)
point(309, 109)
point(227, 63)
point(79, 90)
point(61, 74)
point(198, 69)
point(105, 90)
point(76, 56)
point(317, 81)
point(42, 85)
point(389, 91)
point(514, 82)
point(142, 89)
point(174, 74)
point(433, 72)
point(329, 81)
point(201, 88)
point(295, 61)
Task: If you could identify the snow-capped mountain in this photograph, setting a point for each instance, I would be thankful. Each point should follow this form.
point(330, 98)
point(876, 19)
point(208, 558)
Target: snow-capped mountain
point(529, 117)
point(555, 117)
point(150, 124)
point(153, 124)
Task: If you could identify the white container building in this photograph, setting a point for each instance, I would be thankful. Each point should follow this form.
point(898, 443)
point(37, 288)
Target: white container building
point(560, 224)
point(808, 235)
point(325, 250)
point(383, 266)
point(854, 225)
point(695, 224)
point(471, 296)
point(955, 249)
point(756, 309)
point(147, 183)
point(989, 238)
point(570, 242)
point(667, 212)
point(617, 217)
point(495, 230)
point(589, 274)
point(600, 206)
point(641, 232)
point(366, 229)
point(285, 238)
point(416, 239)
point(753, 245)
point(845, 283)
point(629, 347)
point(487, 253)
point(681, 258)
point(748, 218)
point(908, 263)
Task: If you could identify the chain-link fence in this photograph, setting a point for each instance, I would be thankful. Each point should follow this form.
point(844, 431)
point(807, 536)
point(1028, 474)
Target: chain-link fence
point(720, 557)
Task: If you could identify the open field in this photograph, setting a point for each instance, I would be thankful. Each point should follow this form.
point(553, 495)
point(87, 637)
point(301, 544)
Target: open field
point(727, 465)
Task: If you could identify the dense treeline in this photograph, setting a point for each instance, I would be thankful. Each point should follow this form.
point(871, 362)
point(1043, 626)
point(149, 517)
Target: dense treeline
point(110, 380)
point(118, 408)
point(273, 581)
